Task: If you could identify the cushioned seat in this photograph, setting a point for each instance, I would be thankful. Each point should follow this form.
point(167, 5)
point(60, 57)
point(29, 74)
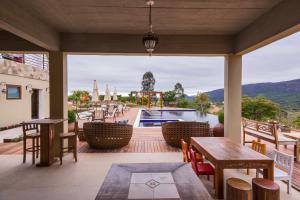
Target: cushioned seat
point(280, 173)
point(205, 169)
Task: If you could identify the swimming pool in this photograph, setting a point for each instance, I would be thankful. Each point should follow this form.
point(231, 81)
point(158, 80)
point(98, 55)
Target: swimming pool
point(155, 118)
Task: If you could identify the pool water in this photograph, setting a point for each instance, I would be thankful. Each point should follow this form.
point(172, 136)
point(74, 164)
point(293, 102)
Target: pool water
point(155, 118)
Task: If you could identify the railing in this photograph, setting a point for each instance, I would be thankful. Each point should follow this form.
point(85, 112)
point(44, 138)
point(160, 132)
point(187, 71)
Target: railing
point(35, 60)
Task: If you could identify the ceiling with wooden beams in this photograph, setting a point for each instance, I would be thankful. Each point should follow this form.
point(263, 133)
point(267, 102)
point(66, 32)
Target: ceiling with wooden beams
point(170, 17)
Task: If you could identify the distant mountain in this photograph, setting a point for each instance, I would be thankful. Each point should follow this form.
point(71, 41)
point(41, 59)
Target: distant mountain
point(285, 93)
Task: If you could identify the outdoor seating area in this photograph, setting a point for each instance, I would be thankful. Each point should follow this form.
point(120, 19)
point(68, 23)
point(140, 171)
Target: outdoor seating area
point(199, 113)
point(201, 163)
point(269, 133)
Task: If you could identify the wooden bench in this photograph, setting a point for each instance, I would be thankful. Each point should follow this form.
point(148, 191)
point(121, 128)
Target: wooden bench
point(267, 132)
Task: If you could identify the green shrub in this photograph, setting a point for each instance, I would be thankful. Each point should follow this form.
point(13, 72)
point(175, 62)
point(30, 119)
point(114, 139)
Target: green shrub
point(296, 122)
point(71, 116)
point(221, 117)
point(259, 108)
point(182, 103)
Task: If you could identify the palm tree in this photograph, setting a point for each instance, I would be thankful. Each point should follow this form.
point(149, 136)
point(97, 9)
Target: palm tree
point(148, 82)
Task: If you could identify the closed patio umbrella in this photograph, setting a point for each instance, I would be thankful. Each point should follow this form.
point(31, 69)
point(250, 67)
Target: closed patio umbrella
point(115, 97)
point(95, 96)
point(107, 96)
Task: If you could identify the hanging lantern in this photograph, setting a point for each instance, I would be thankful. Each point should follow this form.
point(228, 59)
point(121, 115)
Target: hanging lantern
point(150, 40)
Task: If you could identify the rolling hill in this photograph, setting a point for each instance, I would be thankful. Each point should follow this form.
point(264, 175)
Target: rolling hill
point(285, 93)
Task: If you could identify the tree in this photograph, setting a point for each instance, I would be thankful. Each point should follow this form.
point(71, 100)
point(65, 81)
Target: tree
point(148, 82)
point(202, 100)
point(80, 97)
point(259, 108)
point(182, 103)
point(168, 97)
point(296, 122)
point(179, 91)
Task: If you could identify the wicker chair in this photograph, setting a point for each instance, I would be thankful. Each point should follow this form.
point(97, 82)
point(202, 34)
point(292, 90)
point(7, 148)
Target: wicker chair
point(103, 135)
point(173, 132)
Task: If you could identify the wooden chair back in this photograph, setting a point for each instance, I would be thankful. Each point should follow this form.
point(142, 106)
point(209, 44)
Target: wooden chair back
point(185, 151)
point(193, 160)
point(259, 147)
point(283, 161)
point(29, 127)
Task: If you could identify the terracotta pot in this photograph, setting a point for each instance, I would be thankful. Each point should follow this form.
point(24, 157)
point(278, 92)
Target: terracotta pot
point(71, 127)
point(218, 130)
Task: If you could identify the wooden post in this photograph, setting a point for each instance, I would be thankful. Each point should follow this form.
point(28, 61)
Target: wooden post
point(149, 100)
point(58, 83)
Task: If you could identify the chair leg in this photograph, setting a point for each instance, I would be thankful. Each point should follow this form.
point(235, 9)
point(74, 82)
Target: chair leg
point(24, 150)
point(33, 151)
point(37, 147)
point(248, 171)
point(61, 150)
point(75, 148)
point(207, 177)
point(288, 186)
point(257, 174)
point(214, 181)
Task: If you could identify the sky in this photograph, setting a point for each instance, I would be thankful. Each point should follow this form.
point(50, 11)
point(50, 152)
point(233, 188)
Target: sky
point(279, 61)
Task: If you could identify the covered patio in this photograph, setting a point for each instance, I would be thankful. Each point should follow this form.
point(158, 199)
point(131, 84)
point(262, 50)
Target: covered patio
point(229, 29)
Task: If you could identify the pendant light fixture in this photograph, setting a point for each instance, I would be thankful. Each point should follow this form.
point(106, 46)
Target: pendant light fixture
point(150, 40)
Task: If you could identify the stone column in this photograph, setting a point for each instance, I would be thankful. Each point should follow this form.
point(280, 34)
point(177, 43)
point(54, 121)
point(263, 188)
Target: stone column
point(232, 97)
point(58, 91)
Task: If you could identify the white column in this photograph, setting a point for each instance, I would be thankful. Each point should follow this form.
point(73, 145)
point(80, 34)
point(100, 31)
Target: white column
point(232, 97)
point(58, 81)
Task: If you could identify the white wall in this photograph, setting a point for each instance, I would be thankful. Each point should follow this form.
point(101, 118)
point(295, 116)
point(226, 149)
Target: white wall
point(18, 110)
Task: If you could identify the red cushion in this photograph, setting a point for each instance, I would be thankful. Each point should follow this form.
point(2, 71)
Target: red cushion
point(205, 169)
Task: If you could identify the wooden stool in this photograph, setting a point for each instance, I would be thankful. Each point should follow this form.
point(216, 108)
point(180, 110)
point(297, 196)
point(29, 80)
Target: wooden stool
point(265, 189)
point(31, 131)
point(72, 144)
point(237, 189)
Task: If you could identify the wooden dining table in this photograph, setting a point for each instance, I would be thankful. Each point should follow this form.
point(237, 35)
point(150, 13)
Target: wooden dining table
point(47, 140)
point(226, 154)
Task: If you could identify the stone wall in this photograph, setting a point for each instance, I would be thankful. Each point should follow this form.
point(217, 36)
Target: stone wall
point(9, 67)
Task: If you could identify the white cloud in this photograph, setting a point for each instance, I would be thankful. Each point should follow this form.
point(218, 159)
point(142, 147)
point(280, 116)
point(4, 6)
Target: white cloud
point(276, 62)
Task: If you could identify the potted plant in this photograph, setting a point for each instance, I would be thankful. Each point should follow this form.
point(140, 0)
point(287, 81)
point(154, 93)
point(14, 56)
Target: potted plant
point(71, 120)
point(218, 130)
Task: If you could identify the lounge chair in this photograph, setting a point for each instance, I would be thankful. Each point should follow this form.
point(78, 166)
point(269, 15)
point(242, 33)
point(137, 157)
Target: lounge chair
point(98, 115)
point(120, 109)
point(112, 115)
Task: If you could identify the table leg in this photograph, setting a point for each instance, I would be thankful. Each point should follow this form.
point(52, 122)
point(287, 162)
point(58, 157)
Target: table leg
point(269, 172)
point(219, 182)
point(297, 151)
point(46, 145)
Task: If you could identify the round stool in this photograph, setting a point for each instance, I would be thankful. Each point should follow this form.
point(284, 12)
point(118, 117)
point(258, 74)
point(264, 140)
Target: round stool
point(237, 189)
point(265, 189)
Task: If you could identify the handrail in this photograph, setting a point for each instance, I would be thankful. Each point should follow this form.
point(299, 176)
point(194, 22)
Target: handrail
point(35, 60)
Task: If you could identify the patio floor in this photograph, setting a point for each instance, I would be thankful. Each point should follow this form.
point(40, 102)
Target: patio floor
point(144, 140)
point(82, 180)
